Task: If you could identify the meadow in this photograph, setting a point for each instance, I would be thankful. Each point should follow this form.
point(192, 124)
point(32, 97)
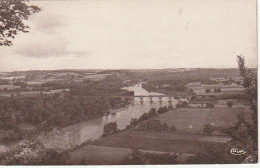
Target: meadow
point(193, 119)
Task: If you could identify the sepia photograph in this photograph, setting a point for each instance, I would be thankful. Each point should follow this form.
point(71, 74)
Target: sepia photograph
point(128, 82)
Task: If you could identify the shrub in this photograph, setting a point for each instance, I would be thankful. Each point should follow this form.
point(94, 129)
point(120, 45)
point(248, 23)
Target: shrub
point(178, 105)
point(110, 128)
point(156, 125)
point(183, 104)
point(210, 105)
point(134, 122)
point(128, 127)
point(217, 90)
point(191, 91)
point(162, 110)
point(145, 116)
point(153, 125)
point(173, 128)
point(141, 126)
point(152, 112)
point(131, 93)
point(207, 90)
point(208, 129)
point(165, 126)
point(170, 107)
point(230, 103)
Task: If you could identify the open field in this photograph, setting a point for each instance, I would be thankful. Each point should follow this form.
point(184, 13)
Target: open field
point(98, 155)
point(157, 141)
point(193, 119)
point(185, 119)
point(236, 102)
point(102, 155)
point(225, 116)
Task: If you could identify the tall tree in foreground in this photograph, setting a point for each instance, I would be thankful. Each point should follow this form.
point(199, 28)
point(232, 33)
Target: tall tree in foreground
point(250, 83)
point(12, 15)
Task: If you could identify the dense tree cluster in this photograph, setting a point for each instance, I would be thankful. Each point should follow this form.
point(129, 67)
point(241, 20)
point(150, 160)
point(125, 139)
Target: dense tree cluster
point(84, 101)
point(110, 128)
point(146, 121)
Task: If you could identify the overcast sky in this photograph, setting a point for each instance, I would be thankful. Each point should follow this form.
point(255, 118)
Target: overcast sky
point(135, 34)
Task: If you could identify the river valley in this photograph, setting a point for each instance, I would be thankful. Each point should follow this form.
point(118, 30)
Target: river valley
point(76, 134)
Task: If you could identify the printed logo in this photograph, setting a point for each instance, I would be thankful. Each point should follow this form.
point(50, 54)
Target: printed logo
point(236, 151)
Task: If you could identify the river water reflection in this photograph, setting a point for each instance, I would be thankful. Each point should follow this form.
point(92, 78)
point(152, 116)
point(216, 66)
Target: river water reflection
point(92, 129)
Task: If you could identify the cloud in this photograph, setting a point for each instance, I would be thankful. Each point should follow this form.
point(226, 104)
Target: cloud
point(47, 46)
point(115, 34)
point(49, 24)
point(48, 20)
point(47, 38)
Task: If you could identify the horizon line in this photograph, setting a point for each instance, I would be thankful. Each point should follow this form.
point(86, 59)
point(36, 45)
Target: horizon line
point(74, 69)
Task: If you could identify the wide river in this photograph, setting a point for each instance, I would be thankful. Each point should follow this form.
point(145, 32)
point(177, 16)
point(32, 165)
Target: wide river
point(92, 129)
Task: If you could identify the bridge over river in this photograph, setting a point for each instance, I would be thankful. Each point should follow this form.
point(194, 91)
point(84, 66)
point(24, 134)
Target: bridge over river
point(151, 97)
point(141, 97)
point(159, 98)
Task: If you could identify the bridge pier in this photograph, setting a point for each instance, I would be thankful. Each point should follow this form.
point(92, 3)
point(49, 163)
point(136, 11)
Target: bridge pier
point(142, 99)
point(151, 99)
point(170, 99)
point(160, 99)
point(132, 100)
